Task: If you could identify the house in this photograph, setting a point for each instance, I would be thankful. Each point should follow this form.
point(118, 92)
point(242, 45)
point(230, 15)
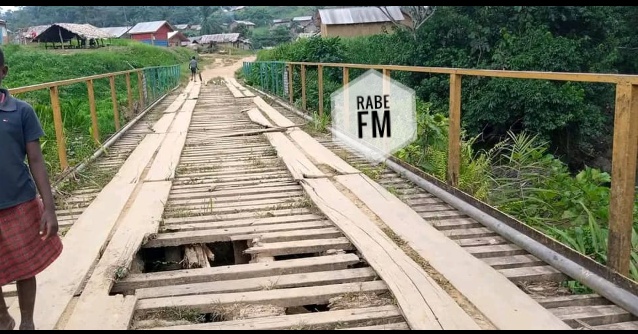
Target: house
point(117, 32)
point(225, 40)
point(280, 23)
point(28, 34)
point(177, 38)
point(154, 33)
point(304, 24)
point(4, 33)
point(236, 24)
point(359, 21)
point(196, 27)
point(182, 27)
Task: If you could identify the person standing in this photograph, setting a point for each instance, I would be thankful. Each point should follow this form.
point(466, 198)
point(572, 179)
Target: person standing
point(29, 241)
point(193, 67)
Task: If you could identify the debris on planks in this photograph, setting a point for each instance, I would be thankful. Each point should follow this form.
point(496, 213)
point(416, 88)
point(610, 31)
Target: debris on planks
point(197, 256)
point(248, 311)
point(360, 300)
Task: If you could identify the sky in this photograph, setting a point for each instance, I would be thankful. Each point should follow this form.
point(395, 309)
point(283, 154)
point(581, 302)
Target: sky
point(5, 8)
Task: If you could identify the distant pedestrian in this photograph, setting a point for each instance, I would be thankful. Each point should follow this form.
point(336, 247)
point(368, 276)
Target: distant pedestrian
point(29, 240)
point(193, 66)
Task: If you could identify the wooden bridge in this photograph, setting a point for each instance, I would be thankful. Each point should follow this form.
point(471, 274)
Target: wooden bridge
point(223, 213)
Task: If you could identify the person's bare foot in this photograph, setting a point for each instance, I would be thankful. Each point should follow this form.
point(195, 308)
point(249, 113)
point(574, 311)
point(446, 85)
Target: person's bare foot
point(7, 323)
point(29, 326)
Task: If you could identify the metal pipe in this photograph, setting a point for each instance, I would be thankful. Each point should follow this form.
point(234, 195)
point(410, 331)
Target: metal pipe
point(108, 143)
point(603, 287)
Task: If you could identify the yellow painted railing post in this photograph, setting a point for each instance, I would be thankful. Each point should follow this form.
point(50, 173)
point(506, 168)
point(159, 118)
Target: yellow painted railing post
point(291, 94)
point(116, 113)
point(129, 92)
point(623, 178)
point(59, 127)
point(320, 83)
point(303, 87)
point(140, 87)
point(454, 132)
point(93, 110)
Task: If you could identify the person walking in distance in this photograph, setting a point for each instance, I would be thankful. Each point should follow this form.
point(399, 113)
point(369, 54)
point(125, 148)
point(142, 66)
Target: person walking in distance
point(193, 67)
point(29, 241)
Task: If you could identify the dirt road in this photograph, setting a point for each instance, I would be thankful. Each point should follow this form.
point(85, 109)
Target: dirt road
point(224, 67)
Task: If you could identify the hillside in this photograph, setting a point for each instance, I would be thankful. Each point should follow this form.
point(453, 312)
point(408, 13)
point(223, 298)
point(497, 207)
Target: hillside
point(109, 16)
point(30, 65)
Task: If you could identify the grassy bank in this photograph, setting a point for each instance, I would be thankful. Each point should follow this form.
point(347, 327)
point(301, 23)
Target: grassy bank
point(517, 174)
point(30, 65)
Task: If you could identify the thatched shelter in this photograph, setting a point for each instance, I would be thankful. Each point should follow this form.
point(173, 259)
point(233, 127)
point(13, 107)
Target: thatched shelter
point(63, 33)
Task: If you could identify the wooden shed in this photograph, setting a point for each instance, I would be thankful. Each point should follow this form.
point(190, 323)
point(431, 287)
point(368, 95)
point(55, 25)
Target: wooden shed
point(154, 33)
point(63, 33)
point(177, 38)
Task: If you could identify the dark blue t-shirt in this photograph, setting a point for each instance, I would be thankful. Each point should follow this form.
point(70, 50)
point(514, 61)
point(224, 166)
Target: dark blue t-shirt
point(18, 125)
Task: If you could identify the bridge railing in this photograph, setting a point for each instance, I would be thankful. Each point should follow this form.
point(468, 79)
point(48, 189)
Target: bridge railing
point(110, 100)
point(625, 140)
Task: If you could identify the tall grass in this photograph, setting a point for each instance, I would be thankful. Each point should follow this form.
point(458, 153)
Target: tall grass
point(30, 65)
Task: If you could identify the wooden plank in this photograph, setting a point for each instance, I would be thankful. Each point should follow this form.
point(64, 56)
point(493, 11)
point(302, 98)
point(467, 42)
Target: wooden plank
point(59, 127)
point(129, 92)
point(297, 163)
point(93, 111)
point(350, 317)
point(572, 300)
point(116, 112)
point(162, 125)
point(256, 116)
point(533, 274)
point(174, 107)
point(252, 270)
point(272, 113)
point(320, 88)
point(138, 223)
point(261, 283)
point(303, 87)
point(322, 233)
point(627, 325)
point(312, 295)
point(109, 313)
point(319, 153)
point(224, 234)
point(502, 302)
point(178, 223)
point(399, 326)
point(10, 290)
point(167, 159)
point(85, 239)
point(300, 247)
point(623, 178)
point(194, 93)
point(592, 315)
point(423, 302)
point(182, 121)
point(233, 90)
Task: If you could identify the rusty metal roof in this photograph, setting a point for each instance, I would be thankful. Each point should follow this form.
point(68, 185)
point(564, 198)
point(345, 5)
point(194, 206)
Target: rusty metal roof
point(357, 15)
point(116, 32)
point(219, 38)
point(35, 30)
point(148, 27)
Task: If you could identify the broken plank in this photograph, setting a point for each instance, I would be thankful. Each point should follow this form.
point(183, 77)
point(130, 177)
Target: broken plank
point(224, 234)
point(323, 233)
point(319, 153)
point(141, 220)
point(425, 305)
point(331, 320)
point(312, 295)
point(256, 116)
point(300, 247)
point(167, 159)
point(261, 283)
point(85, 239)
point(284, 267)
point(272, 113)
point(109, 313)
point(297, 163)
point(504, 304)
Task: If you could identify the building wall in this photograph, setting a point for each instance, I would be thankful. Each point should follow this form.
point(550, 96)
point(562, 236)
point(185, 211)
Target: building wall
point(4, 36)
point(161, 36)
point(363, 29)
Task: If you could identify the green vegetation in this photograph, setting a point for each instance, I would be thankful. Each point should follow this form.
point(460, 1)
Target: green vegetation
point(30, 65)
point(529, 145)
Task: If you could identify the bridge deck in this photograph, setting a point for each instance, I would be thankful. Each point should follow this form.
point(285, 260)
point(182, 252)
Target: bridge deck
point(224, 225)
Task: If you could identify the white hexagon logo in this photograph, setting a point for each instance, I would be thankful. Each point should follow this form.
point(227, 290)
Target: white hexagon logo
point(375, 115)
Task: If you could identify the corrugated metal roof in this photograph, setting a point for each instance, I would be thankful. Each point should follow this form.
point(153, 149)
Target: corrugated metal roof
point(181, 36)
point(181, 26)
point(246, 23)
point(147, 27)
point(196, 27)
point(302, 18)
point(35, 30)
point(355, 15)
point(116, 32)
point(219, 38)
point(82, 30)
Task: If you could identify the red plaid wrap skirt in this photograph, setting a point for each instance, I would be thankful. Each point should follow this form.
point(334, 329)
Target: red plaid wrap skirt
point(23, 253)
